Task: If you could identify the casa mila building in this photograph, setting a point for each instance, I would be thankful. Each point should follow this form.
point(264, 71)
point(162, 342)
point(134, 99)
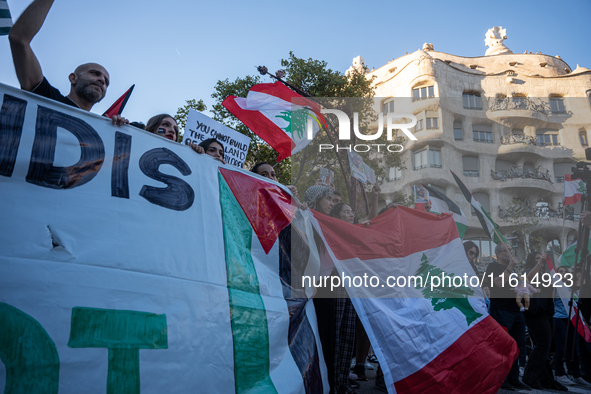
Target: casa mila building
point(509, 125)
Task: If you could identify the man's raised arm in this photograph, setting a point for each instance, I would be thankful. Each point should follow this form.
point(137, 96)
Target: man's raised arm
point(28, 69)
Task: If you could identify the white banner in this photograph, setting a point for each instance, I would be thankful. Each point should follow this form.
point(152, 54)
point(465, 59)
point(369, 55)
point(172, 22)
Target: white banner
point(201, 127)
point(112, 262)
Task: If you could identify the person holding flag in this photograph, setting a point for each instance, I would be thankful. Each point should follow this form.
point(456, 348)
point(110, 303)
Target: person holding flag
point(89, 81)
point(503, 307)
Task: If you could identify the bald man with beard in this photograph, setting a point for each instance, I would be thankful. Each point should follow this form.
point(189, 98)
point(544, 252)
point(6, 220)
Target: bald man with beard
point(89, 81)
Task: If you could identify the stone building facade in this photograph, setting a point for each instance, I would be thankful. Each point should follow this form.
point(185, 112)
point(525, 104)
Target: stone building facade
point(510, 125)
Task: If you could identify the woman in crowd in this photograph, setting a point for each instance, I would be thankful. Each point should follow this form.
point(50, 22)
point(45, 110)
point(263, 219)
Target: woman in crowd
point(539, 319)
point(344, 212)
point(266, 170)
point(334, 311)
point(164, 125)
point(472, 253)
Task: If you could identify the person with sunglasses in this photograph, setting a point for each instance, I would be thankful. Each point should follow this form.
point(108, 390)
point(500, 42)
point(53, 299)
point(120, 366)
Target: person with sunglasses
point(472, 253)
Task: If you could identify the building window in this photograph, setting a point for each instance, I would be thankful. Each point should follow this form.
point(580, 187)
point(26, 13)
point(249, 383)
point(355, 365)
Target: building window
point(434, 158)
point(419, 125)
point(427, 158)
point(483, 136)
point(483, 199)
point(458, 132)
point(423, 92)
point(583, 138)
point(388, 107)
point(394, 174)
point(517, 131)
point(472, 101)
point(421, 159)
point(471, 166)
point(432, 124)
point(557, 105)
point(548, 139)
point(519, 102)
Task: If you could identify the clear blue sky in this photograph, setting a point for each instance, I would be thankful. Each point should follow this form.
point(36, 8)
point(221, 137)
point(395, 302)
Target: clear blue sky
point(177, 50)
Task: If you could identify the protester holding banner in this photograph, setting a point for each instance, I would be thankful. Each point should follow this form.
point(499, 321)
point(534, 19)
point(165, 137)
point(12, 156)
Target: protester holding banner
point(212, 147)
point(266, 170)
point(89, 81)
point(163, 125)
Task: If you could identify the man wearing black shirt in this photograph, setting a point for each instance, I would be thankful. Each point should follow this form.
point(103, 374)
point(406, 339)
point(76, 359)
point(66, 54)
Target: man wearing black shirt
point(89, 81)
point(503, 307)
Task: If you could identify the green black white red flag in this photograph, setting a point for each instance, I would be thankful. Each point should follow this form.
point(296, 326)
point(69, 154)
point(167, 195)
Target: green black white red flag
point(117, 107)
point(440, 203)
point(486, 221)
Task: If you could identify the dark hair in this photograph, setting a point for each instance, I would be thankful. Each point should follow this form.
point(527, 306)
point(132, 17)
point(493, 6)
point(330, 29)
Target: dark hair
point(154, 122)
point(336, 193)
point(205, 144)
point(469, 245)
point(139, 125)
point(335, 212)
point(256, 167)
point(530, 262)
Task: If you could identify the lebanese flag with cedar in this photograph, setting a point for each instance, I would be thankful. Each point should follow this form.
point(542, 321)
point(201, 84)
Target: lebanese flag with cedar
point(437, 339)
point(573, 190)
point(278, 115)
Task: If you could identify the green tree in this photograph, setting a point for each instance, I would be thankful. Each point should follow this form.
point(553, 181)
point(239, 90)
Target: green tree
point(183, 113)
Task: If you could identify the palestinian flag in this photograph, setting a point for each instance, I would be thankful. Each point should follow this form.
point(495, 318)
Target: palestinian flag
point(117, 107)
point(257, 237)
point(429, 337)
point(486, 221)
point(567, 258)
point(564, 293)
point(573, 190)
point(278, 115)
point(5, 19)
point(440, 203)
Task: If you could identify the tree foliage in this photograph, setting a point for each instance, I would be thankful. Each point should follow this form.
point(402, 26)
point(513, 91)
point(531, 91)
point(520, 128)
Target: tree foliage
point(183, 112)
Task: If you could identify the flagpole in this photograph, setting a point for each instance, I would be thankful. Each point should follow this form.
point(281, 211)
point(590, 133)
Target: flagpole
point(265, 71)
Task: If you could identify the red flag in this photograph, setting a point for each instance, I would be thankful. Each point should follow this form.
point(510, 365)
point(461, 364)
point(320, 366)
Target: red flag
point(278, 115)
point(118, 105)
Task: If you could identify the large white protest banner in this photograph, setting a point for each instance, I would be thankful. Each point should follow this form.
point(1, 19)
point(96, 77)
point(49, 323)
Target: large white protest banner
point(201, 127)
point(114, 267)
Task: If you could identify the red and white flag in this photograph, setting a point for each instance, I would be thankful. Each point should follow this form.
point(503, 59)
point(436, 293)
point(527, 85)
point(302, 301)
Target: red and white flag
point(430, 337)
point(573, 190)
point(564, 292)
point(278, 115)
